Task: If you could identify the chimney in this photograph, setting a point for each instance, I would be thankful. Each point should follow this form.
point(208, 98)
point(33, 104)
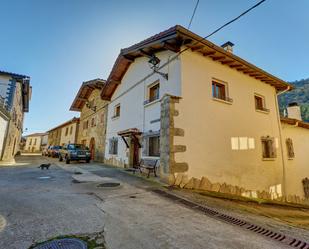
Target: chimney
point(293, 110)
point(228, 46)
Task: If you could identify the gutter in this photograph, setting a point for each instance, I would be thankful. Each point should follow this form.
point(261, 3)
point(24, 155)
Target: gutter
point(281, 142)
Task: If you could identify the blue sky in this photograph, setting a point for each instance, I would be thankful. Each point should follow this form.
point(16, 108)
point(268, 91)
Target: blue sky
point(61, 43)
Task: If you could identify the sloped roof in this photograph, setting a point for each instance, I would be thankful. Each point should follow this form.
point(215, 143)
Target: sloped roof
point(26, 88)
point(73, 120)
point(37, 134)
point(295, 122)
point(172, 39)
point(84, 92)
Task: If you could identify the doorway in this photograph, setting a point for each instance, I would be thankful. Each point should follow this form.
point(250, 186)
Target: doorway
point(92, 148)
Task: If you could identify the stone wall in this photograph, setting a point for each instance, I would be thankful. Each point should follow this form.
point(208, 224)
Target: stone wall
point(168, 166)
point(96, 131)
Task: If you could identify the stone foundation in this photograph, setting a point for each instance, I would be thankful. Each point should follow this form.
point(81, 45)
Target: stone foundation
point(181, 180)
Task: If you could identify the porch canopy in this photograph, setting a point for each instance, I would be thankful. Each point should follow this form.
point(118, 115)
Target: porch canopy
point(132, 133)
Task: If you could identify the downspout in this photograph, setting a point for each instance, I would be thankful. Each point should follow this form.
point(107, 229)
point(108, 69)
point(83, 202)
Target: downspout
point(281, 143)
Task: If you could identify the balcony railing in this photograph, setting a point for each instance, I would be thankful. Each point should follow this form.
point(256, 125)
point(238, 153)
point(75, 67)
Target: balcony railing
point(155, 97)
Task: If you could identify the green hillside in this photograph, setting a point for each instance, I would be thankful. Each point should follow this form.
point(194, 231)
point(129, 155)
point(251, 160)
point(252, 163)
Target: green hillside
point(300, 95)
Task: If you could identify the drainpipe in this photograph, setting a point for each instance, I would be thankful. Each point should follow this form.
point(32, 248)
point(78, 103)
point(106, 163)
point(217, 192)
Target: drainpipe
point(281, 143)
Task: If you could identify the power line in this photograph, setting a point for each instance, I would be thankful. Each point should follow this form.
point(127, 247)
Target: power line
point(193, 14)
point(224, 25)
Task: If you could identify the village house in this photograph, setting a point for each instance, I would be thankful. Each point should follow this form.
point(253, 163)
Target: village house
point(209, 117)
point(15, 93)
point(64, 134)
point(93, 112)
point(295, 134)
point(35, 142)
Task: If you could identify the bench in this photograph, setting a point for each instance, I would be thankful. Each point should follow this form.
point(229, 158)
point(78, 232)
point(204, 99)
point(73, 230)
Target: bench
point(150, 165)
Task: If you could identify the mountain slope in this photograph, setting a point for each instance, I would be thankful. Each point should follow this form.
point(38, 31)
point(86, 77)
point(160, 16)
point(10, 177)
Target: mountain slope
point(300, 95)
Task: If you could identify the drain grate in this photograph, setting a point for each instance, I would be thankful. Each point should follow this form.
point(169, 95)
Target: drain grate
point(109, 185)
point(295, 243)
point(70, 243)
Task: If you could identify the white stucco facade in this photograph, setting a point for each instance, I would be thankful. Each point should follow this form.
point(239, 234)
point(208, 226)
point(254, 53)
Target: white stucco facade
point(131, 95)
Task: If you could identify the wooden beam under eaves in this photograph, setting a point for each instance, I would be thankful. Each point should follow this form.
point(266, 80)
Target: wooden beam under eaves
point(129, 58)
point(82, 99)
point(236, 66)
point(208, 53)
point(172, 47)
point(217, 58)
point(227, 62)
point(197, 48)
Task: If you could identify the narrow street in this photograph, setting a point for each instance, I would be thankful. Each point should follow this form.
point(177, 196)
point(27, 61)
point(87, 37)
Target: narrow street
point(37, 205)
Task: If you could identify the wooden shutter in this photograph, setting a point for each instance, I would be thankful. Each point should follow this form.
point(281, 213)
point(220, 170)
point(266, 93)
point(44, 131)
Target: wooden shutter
point(290, 148)
point(110, 150)
point(272, 148)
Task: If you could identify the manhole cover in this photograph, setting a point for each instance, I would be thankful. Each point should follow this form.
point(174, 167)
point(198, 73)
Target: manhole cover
point(63, 244)
point(109, 185)
point(44, 177)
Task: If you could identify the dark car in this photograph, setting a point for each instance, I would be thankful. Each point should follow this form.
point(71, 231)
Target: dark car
point(74, 152)
point(53, 151)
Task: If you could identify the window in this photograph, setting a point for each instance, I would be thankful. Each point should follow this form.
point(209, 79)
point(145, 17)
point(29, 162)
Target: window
point(260, 103)
point(154, 92)
point(268, 147)
point(116, 111)
point(66, 131)
point(30, 141)
point(92, 122)
point(219, 91)
point(113, 146)
point(154, 146)
point(85, 125)
point(71, 130)
point(102, 118)
point(290, 148)
point(34, 142)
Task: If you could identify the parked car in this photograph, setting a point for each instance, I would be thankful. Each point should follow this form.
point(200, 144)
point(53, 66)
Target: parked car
point(54, 151)
point(74, 152)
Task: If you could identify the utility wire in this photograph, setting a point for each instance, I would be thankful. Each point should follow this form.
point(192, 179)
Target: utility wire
point(193, 14)
point(224, 25)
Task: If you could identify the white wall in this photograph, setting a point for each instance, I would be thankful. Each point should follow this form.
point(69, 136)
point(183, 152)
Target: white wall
point(3, 126)
point(209, 126)
point(131, 94)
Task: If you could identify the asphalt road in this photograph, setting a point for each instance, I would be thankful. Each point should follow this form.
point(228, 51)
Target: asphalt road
point(36, 205)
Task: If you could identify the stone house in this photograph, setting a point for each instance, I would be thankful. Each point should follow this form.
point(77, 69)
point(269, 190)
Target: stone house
point(35, 142)
point(64, 133)
point(15, 93)
point(210, 117)
point(93, 112)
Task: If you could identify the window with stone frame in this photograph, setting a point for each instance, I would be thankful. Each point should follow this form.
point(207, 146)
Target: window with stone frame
point(34, 142)
point(154, 92)
point(30, 142)
point(93, 122)
point(268, 147)
point(116, 111)
point(151, 144)
point(290, 148)
point(85, 125)
point(113, 146)
point(66, 131)
point(102, 118)
point(154, 146)
point(71, 130)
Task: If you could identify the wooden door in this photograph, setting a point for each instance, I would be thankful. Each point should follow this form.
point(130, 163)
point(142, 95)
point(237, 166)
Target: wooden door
point(92, 148)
